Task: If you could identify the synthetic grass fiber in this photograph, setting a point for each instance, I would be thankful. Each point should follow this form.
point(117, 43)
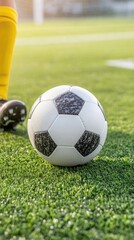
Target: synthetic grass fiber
point(39, 201)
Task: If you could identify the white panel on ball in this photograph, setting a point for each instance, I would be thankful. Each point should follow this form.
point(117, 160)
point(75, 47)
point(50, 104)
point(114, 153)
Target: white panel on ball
point(66, 156)
point(66, 130)
point(92, 117)
point(43, 116)
point(84, 94)
point(69, 156)
point(55, 92)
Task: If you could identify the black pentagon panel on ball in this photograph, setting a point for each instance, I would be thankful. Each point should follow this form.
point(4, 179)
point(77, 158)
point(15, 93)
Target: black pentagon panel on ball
point(44, 143)
point(88, 142)
point(69, 103)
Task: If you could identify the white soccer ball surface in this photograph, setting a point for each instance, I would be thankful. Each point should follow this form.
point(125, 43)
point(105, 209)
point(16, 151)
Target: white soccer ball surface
point(67, 126)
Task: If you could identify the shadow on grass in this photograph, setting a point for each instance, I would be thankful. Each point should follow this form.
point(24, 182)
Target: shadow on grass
point(112, 170)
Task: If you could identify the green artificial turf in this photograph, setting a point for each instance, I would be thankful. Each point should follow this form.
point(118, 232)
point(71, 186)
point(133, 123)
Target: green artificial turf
point(39, 201)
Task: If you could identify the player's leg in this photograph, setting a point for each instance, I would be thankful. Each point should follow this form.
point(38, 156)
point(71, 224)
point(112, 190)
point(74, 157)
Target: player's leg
point(11, 112)
point(8, 26)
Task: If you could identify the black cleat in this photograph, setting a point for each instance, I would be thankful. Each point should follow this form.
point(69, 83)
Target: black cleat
point(12, 113)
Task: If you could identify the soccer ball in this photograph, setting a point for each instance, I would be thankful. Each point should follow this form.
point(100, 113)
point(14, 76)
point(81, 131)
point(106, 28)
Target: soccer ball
point(67, 126)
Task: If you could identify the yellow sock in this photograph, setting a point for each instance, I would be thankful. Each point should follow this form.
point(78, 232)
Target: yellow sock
point(8, 26)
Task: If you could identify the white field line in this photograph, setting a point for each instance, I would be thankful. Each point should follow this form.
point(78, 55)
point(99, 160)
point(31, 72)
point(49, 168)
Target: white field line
point(121, 63)
point(37, 41)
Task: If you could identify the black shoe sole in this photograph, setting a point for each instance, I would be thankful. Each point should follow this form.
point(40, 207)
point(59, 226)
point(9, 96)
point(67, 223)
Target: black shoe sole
point(12, 113)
